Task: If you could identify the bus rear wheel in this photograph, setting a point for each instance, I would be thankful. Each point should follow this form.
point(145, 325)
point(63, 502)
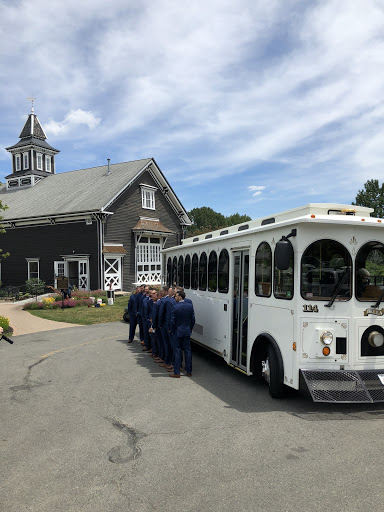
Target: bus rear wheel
point(273, 374)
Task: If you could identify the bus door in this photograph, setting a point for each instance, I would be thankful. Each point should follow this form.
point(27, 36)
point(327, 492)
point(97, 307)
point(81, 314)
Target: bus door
point(240, 309)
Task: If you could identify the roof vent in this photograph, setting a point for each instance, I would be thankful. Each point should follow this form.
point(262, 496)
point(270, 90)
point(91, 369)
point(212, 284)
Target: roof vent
point(109, 168)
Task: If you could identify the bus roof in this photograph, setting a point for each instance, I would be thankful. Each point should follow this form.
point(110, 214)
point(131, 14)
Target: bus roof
point(323, 209)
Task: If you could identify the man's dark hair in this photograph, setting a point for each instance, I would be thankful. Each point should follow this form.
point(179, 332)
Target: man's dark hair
point(181, 293)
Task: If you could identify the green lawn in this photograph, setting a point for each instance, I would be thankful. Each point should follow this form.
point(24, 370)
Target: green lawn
point(84, 315)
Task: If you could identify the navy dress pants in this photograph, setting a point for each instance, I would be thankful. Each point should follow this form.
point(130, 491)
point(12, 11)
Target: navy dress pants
point(132, 326)
point(183, 344)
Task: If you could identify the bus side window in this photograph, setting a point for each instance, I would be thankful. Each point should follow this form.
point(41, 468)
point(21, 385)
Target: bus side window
point(174, 271)
point(187, 271)
point(203, 271)
point(283, 281)
point(212, 271)
point(195, 272)
point(169, 272)
point(180, 266)
point(263, 274)
point(223, 273)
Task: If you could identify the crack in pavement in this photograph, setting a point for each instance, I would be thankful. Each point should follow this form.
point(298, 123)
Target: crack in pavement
point(27, 382)
point(121, 454)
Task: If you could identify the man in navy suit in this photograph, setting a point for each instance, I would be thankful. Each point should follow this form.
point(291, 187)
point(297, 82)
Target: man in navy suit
point(132, 309)
point(182, 322)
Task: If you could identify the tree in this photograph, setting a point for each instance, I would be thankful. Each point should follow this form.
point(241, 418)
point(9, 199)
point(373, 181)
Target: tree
point(205, 219)
point(372, 196)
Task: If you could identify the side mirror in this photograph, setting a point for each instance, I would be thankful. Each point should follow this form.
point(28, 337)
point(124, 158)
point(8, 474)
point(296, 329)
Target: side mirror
point(283, 253)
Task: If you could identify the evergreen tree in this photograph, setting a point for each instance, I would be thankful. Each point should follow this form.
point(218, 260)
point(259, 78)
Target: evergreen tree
point(372, 196)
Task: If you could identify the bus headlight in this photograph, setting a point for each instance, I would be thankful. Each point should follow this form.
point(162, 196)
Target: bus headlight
point(326, 338)
point(375, 339)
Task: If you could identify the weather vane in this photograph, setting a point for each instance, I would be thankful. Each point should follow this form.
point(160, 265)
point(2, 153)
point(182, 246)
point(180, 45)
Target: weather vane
point(31, 99)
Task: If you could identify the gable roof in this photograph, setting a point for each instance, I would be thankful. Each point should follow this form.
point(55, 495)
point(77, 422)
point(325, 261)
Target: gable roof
point(81, 191)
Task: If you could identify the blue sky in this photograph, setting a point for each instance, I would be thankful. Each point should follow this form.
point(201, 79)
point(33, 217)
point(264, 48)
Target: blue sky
point(248, 106)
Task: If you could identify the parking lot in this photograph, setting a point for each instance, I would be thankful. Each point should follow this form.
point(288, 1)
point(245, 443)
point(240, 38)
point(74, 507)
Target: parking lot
point(91, 424)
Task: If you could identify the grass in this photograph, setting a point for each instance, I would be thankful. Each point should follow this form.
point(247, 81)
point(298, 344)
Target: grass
point(84, 315)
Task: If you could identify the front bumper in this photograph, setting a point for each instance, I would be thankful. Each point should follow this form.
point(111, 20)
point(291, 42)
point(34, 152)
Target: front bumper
point(348, 386)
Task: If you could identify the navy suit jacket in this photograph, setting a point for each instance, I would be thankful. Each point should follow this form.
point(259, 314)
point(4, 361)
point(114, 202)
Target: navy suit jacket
point(132, 304)
point(155, 314)
point(162, 310)
point(168, 312)
point(145, 308)
point(183, 319)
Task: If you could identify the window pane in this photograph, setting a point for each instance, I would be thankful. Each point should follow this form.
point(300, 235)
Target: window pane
point(283, 280)
point(195, 272)
point(187, 272)
point(174, 271)
point(180, 271)
point(169, 272)
point(369, 272)
point(203, 271)
point(223, 273)
point(326, 267)
point(263, 276)
point(212, 272)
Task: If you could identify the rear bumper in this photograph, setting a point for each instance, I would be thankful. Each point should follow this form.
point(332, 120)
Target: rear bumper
point(344, 386)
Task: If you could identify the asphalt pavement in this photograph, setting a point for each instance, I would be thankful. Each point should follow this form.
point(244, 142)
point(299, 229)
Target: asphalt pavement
point(89, 423)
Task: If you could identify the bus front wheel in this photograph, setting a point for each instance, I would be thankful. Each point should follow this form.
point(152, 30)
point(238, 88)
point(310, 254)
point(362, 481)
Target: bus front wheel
point(273, 373)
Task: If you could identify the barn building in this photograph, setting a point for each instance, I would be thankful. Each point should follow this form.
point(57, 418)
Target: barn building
point(102, 227)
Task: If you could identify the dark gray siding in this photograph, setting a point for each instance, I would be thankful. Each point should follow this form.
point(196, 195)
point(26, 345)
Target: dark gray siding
point(48, 243)
point(126, 212)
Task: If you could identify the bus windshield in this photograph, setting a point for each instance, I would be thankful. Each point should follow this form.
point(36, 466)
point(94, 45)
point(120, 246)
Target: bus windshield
point(325, 270)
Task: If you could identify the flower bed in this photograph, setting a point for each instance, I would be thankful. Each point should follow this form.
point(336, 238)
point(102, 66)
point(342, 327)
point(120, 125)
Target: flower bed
point(55, 304)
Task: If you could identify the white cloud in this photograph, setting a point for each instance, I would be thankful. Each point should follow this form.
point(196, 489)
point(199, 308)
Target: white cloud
point(256, 189)
point(225, 87)
point(73, 119)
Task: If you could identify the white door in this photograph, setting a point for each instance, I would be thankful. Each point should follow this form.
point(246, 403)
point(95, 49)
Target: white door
point(60, 270)
point(83, 275)
point(112, 273)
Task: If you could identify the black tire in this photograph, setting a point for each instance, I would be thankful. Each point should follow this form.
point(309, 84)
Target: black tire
point(126, 317)
point(276, 374)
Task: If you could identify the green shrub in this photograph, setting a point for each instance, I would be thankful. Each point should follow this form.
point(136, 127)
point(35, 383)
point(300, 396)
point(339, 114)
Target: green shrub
point(4, 323)
point(35, 286)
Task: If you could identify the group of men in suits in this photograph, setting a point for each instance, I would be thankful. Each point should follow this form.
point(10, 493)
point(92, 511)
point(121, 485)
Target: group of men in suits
point(165, 318)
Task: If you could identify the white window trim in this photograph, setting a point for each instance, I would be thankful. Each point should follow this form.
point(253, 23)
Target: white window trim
point(39, 168)
point(48, 162)
point(33, 260)
point(148, 197)
point(17, 162)
point(26, 160)
point(148, 254)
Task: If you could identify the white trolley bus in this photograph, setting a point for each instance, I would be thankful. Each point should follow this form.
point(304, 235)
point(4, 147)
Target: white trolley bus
point(296, 298)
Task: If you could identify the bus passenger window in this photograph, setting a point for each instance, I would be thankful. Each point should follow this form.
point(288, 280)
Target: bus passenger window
point(326, 269)
point(169, 272)
point(203, 271)
point(195, 272)
point(212, 271)
point(263, 275)
point(369, 272)
point(174, 271)
point(223, 272)
point(180, 271)
point(187, 271)
point(283, 281)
